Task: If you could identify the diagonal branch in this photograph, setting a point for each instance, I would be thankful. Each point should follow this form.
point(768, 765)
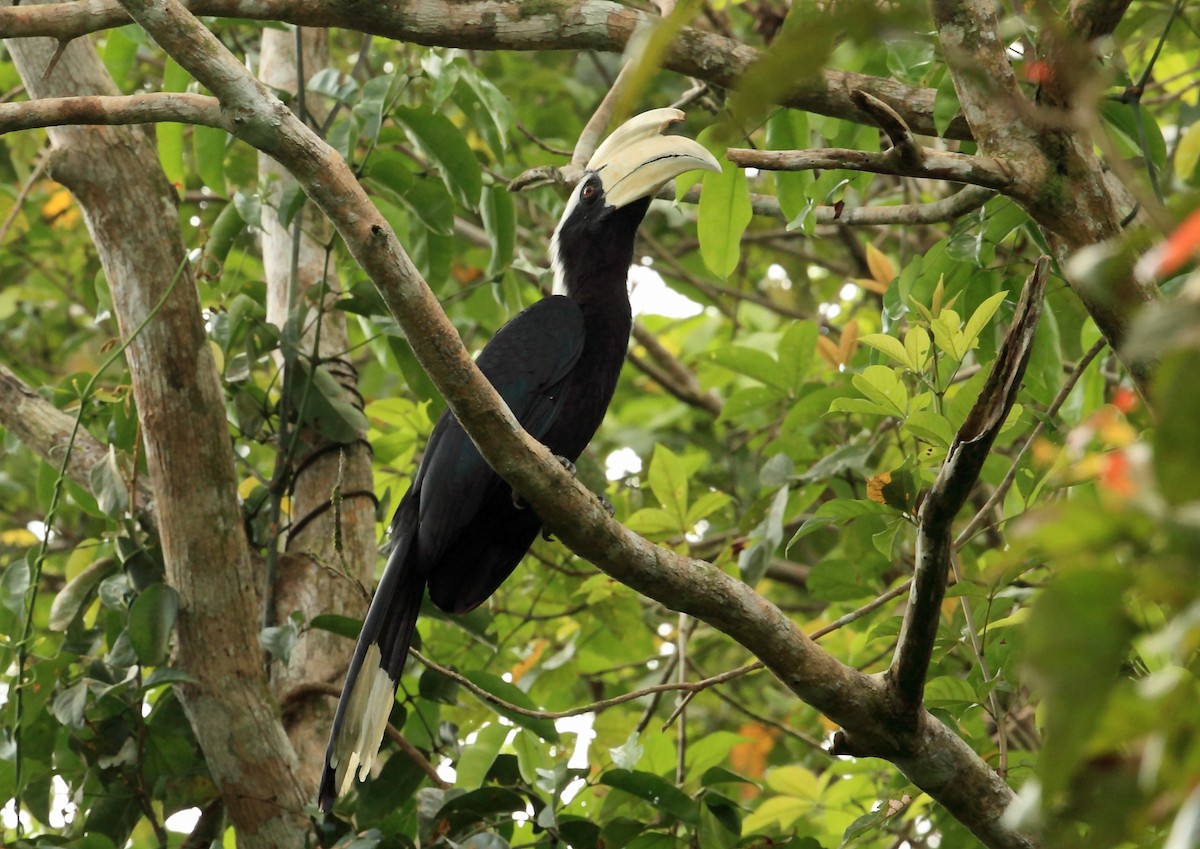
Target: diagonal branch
point(45, 430)
point(960, 471)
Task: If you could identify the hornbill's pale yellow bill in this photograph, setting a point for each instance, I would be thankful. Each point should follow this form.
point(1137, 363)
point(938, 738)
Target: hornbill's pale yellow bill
point(459, 532)
point(637, 160)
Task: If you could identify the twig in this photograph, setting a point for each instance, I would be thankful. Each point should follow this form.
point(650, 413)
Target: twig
point(594, 707)
point(671, 374)
point(321, 688)
point(26, 188)
point(971, 446)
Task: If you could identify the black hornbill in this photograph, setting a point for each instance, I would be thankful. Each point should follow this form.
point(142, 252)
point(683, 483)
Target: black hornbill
point(459, 530)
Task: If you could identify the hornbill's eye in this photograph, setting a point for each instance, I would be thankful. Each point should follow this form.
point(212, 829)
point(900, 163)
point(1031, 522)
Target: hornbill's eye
point(590, 190)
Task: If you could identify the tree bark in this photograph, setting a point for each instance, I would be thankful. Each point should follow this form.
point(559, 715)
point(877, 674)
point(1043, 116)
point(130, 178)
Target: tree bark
point(130, 211)
point(330, 553)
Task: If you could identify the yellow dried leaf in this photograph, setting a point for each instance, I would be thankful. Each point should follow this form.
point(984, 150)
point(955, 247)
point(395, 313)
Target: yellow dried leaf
point(828, 350)
point(882, 269)
point(750, 758)
point(60, 207)
point(848, 344)
point(875, 487)
point(518, 671)
point(871, 285)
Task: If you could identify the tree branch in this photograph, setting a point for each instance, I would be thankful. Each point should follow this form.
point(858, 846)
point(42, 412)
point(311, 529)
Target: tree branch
point(44, 429)
point(904, 159)
point(489, 25)
point(112, 110)
point(960, 471)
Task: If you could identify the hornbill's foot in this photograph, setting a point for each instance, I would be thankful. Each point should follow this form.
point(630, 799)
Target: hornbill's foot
point(520, 502)
point(604, 502)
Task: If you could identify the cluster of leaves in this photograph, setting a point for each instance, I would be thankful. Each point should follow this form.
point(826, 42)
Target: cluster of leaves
point(1072, 614)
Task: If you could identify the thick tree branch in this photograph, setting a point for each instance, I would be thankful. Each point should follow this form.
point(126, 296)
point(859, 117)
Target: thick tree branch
point(45, 430)
point(489, 25)
point(960, 471)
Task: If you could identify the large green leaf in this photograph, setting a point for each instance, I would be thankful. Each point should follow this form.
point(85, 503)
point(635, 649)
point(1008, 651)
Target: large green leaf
point(445, 145)
point(724, 213)
point(151, 620)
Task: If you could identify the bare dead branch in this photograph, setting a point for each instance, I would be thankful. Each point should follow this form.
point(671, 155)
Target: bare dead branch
point(960, 471)
point(987, 172)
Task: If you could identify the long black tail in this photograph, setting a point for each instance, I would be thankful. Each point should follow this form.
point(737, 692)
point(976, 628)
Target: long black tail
point(370, 688)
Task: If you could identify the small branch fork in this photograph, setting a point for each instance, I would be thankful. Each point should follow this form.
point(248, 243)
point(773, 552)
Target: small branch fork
point(958, 475)
point(905, 158)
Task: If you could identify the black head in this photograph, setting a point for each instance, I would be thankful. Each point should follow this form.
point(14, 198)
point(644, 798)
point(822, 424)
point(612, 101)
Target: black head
point(593, 244)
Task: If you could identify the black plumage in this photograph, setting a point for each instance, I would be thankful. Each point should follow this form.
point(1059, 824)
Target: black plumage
point(459, 531)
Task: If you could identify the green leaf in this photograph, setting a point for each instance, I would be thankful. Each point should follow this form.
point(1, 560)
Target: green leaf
point(753, 363)
point(170, 135)
point(668, 478)
point(512, 694)
point(787, 129)
point(343, 626)
point(705, 506)
point(208, 145)
point(437, 687)
point(108, 485)
point(1176, 448)
point(882, 386)
point(930, 426)
point(657, 791)
point(945, 104)
point(890, 346)
point(69, 705)
point(477, 758)
point(151, 619)
point(979, 319)
point(796, 351)
point(120, 55)
point(424, 197)
point(13, 586)
point(947, 333)
point(499, 220)
point(445, 145)
point(323, 404)
point(1075, 643)
point(1187, 152)
point(654, 522)
point(73, 597)
point(724, 213)
point(916, 347)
